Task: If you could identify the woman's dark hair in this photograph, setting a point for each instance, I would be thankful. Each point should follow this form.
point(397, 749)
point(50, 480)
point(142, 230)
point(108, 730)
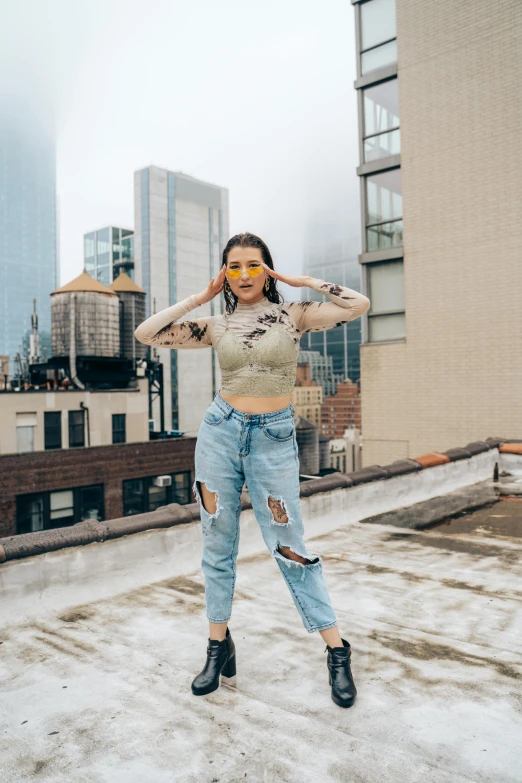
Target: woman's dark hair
point(250, 240)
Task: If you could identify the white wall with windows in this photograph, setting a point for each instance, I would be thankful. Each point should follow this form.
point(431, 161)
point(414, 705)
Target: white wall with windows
point(42, 420)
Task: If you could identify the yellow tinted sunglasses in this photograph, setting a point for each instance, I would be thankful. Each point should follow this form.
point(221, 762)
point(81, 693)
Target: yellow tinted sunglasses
point(253, 271)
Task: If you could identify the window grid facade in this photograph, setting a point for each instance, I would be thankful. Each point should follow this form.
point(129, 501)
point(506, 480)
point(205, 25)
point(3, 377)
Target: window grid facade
point(107, 251)
point(380, 173)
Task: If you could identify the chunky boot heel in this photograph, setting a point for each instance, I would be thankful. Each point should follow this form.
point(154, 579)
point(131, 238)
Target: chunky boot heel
point(340, 674)
point(221, 659)
point(229, 669)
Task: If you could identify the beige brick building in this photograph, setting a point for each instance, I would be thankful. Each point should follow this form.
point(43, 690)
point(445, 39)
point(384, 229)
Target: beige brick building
point(440, 114)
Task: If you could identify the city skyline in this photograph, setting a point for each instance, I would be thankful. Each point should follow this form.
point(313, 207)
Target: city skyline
point(280, 132)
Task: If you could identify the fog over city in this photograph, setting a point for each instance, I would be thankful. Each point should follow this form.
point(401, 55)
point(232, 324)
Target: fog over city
point(256, 97)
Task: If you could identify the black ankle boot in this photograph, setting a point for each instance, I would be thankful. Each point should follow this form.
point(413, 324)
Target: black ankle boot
point(340, 674)
point(221, 659)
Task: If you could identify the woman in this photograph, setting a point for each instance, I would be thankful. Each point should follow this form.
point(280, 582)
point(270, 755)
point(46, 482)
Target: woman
point(248, 434)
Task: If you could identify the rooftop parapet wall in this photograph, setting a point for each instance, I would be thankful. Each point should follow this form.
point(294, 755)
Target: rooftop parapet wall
point(368, 495)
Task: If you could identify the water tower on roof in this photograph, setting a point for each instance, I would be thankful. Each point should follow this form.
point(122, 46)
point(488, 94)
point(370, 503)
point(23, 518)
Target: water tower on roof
point(85, 317)
point(132, 313)
point(91, 326)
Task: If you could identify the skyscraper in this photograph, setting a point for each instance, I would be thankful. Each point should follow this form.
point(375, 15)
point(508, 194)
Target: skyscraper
point(28, 256)
point(181, 227)
point(440, 358)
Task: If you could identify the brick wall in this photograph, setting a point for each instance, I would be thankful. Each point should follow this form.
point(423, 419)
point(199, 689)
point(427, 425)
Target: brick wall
point(21, 474)
point(341, 410)
point(458, 376)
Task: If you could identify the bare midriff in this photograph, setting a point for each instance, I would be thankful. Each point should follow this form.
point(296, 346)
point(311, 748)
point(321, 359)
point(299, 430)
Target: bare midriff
point(257, 404)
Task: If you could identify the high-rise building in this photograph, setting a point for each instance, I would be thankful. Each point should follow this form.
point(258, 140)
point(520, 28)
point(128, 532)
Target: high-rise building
point(107, 252)
point(181, 228)
point(440, 217)
point(28, 257)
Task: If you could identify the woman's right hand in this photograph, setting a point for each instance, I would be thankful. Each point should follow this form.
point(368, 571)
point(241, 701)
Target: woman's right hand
point(213, 288)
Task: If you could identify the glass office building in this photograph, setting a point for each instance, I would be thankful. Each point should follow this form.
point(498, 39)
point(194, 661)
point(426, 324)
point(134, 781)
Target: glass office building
point(331, 254)
point(28, 246)
point(342, 343)
point(107, 252)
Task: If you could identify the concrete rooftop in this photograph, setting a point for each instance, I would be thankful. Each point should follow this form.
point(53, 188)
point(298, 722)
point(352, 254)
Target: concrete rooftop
point(98, 689)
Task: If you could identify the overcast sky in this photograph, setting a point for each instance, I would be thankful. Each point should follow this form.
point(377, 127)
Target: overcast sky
point(254, 96)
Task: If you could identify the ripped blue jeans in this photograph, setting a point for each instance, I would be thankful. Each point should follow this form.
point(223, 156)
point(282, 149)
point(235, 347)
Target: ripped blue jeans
point(260, 449)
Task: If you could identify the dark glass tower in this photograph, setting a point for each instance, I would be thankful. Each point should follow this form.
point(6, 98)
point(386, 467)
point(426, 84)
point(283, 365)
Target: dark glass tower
point(28, 255)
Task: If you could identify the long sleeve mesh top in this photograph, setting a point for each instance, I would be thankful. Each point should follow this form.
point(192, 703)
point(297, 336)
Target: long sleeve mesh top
point(252, 362)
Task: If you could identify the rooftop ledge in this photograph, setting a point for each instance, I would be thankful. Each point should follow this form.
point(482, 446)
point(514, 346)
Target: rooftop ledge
point(99, 643)
point(369, 495)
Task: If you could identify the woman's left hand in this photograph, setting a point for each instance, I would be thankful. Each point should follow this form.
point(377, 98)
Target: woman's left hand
point(298, 281)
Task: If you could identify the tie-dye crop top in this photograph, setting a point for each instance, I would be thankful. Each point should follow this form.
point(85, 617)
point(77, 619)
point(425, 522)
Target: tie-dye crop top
point(258, 343)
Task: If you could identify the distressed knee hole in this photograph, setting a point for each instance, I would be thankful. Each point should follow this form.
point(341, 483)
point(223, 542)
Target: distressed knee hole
point(278, 510)
point(209, 499)
point(291, 555)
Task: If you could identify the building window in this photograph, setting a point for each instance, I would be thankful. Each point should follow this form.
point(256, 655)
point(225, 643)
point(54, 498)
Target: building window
point(133, 497)
point(384, 210)
point(103, 249)
point(62, 508)
point(89, 254)
point(52, 430)
point(30, 513)
point(181, 488)
point(25, 427)
point(89, 502)
point(59, 508)
point(127, 248)
point(157, 496)
point(118, 428)
point(104, 275)
point(386, 316)
point(378, 33)
point(24, 439)
point(381, 120)
point(142, 495)
point(76, 428)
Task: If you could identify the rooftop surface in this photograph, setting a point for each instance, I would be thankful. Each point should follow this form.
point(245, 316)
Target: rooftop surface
point(100, 692)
